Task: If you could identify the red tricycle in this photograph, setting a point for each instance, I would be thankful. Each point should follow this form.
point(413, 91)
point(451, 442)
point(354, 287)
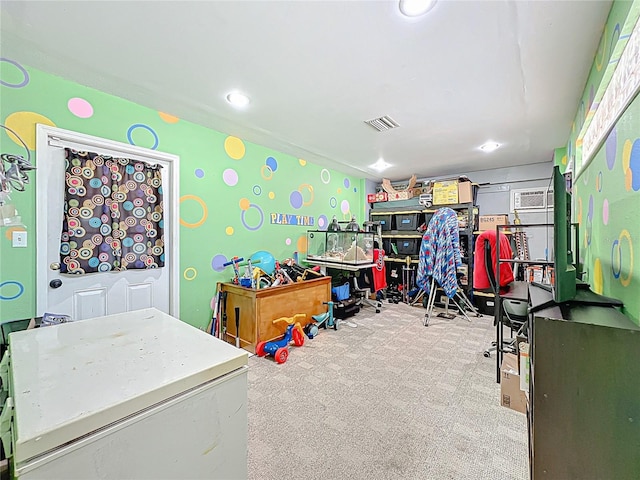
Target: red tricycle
point(279, 349)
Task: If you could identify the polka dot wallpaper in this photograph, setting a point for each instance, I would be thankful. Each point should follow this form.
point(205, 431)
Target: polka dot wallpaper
point(607, 204)
point(229, 187)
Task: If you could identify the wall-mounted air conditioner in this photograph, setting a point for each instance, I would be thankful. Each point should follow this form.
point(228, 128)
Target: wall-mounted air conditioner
point(536, 199)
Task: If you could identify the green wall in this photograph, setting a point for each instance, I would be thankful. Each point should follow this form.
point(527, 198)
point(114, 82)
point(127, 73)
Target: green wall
point(228, 187)
point(607, 203)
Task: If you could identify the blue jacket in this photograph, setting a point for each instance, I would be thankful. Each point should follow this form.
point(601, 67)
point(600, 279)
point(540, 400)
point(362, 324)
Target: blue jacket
point(440, 253)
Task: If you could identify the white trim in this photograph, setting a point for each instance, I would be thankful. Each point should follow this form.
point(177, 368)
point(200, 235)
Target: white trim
point(57, 136)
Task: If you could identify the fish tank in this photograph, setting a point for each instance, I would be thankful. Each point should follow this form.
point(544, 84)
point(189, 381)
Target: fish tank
point(344, 247)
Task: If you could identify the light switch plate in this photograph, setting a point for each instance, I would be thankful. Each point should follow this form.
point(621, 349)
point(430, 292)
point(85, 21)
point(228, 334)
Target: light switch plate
point(19, 239)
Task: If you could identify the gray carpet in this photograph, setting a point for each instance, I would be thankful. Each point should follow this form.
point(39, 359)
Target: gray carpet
point(390, 399)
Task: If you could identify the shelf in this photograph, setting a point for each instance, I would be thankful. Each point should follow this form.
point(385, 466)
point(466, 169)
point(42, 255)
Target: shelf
point(394, 212)
point(478, 232)
point(480, 293)
point(458, 206)
point(402, 235)
point(413, 209)
point(400, 260)
point(526, 262)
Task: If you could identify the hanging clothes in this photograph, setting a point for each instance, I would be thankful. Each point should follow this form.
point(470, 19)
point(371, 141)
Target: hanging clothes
point(480, 275)
point(440, 253)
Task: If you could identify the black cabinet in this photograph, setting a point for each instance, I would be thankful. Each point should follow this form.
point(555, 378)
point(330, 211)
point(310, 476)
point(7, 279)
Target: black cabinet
point(584, 394)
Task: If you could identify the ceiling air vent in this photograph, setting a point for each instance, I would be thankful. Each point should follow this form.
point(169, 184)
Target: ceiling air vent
point(383, 123)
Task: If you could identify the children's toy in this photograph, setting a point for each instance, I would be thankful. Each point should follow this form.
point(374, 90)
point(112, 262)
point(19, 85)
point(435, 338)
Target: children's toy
point(281, 276)
point(235, 261)
point(248, 280)
point(322, 320)
point(279, 349)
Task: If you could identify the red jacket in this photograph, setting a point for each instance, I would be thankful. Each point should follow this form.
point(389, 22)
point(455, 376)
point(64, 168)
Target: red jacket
point(480, 276)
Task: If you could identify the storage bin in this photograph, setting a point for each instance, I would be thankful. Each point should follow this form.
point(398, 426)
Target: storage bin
point(485, 302)
point(407, 221)
point(385, 221)
point(407, 246)
point(427, 218)
point(386, 246)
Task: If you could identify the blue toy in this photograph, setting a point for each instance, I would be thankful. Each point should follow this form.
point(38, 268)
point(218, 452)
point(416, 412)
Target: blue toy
point(322, 320)
point(234, 261)
point(279, 349)
point(266, 260)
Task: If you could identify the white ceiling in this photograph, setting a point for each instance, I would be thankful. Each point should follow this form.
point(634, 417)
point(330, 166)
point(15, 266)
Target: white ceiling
point(467, 72)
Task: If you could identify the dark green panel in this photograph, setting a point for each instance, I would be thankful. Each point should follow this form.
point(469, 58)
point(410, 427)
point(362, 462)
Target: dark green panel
point(586, 396)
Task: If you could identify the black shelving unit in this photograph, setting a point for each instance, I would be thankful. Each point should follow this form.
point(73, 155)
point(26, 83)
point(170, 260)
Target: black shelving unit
point(391, 212)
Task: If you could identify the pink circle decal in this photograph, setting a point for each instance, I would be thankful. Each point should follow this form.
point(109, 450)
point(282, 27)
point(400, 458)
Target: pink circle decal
point(344, 206)
point(230, 177)
point(605, 211)
point(80, 107)
point(288, 241)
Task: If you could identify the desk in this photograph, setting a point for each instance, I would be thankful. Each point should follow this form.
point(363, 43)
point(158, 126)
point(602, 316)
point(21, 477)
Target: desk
point(517, 291)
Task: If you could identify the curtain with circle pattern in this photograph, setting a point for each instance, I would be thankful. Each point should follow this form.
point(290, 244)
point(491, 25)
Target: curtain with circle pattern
point(113, 214)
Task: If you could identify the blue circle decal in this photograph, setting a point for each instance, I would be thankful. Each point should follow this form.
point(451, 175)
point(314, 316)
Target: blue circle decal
point(145, 127)
point(14, 296)
point(272, 163)
point(25, 75)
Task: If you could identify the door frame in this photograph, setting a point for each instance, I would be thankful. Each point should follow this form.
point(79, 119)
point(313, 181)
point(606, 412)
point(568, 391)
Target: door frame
point(47, 137)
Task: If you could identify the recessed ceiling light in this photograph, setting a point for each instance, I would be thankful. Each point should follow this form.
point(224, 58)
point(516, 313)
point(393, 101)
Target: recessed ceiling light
point(238, 99)
point(415, 8)
point(489, 146)
point(380, 165)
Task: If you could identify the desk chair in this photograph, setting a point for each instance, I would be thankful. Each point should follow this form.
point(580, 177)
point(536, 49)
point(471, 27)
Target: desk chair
point(513, 313)
point(363, 294)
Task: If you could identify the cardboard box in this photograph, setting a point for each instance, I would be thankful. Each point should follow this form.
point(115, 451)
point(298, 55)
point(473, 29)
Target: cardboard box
point(464, 270)
point(534, 274)
point(523, 347)
point(377, 197)
point(404, 195)
point(489, 222)
point(445, 192)
point(465, 192)
point(510, 394)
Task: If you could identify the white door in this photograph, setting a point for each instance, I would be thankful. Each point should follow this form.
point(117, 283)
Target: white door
point(98, 294)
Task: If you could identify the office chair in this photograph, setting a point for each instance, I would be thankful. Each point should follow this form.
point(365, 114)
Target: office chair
point(362, 295)
point(514, 313)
